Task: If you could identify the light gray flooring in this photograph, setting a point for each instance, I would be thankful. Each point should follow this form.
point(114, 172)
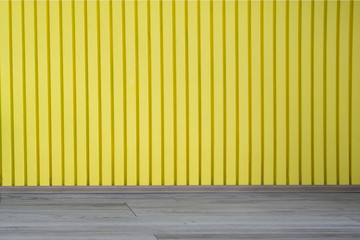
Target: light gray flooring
point(213, 216)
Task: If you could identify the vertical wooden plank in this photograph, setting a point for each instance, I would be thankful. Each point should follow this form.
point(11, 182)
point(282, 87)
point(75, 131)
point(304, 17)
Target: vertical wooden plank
point(31, 97)
point(318, 93)
point(331, 149)
point(55, 94)
point(255, 95)
point(294, 178)
point(218, 92)
point(81, 102)
point(6, 97)
point(230, 93)
point(281, 127)
point(18, 94)
point(106, 122)
point(268, 93)
point(93, 94)
point(67, 52)
point(180, 93)
point(131, 93)
point(244, 95)
point(344, 94)
point(205, 94)
point(355, 128)
point(43, 118)
point(56, 128)
point(193, 93)
point(143, 92)
point(306, 155)
point(168, 93)
point(155, 92)
point(119, 111)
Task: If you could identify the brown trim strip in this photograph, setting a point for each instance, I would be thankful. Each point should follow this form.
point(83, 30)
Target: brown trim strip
point(179, 189)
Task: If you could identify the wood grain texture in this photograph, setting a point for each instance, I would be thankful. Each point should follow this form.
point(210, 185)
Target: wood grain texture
point(188, 216)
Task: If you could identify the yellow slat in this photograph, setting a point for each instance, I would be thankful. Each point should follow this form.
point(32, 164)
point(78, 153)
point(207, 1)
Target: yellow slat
point(281, 100)
point(144, 65)
point(205, 93)
point(18, 72)
point(155, 93)
point(255, 93)
point(294, 79)
point(229, 11)
point(119, 115)
point(6, 99)
point(268, 93)
point(318, 93)
point(193, 92)
point(306, 156)
point(168, 94)
point(331, 142)
point(81, 91)
point(93, 75)
point(181, 121)
point(244, 94)
point(355, 151)
point(344, 94)
point(218, 95)
point(68, 93)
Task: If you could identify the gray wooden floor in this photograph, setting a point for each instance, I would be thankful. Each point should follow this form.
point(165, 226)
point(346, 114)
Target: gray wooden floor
point(180, 216)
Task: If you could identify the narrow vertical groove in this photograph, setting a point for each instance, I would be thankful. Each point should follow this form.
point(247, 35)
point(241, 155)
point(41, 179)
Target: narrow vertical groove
point(87, 93)
point(262, 85)
point(337, 90)
point(274, 94)
point(112, 92)
point(11, 94)
point(249, 89)
point(174, 90)
point(36, 95)
point(187, 90)
point(149, 89)
point(74, 89)
point(24, 90)
point(325, 90)
point(124, 88)
point(162, 93)
point(312, 90)
point(287, 91)
point(137, 90)
point(351, 26)
point(224, 87)
point(49, 87)
point(237, 88)
point(99, 88)
point(62, 92)
point(212, 88)
point(299, 89)
point(199, 83)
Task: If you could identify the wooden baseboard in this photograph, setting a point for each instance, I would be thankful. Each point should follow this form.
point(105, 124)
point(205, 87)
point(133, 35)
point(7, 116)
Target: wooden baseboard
point(180, 189)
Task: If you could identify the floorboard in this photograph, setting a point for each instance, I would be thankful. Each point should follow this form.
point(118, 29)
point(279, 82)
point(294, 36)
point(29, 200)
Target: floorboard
point(192, 216)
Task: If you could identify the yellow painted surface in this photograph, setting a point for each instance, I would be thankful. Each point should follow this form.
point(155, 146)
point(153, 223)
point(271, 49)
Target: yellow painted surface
point(179, 92)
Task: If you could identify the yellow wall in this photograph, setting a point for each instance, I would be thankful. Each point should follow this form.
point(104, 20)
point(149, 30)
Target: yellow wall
point(179, 92)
